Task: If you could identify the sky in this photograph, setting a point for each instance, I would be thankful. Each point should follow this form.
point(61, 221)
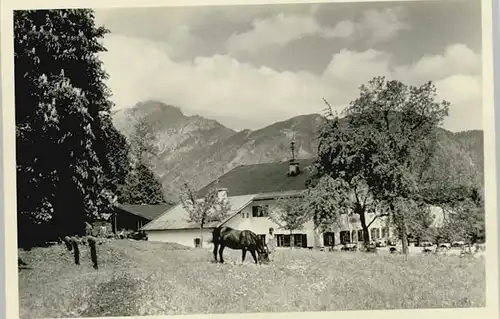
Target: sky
point(248, 66)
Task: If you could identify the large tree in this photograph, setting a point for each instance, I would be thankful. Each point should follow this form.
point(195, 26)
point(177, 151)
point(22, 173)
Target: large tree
point(70, 158)
point(383, 150)
point(399, 125)
point(342, 168)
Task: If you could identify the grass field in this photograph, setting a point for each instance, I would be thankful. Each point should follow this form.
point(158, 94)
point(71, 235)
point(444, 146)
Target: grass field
point(146, 278)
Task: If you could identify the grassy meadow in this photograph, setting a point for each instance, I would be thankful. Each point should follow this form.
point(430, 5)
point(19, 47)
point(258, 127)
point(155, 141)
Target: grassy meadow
point(147, 278)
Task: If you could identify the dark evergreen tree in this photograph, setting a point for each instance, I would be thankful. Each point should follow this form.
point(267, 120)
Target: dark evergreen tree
point(142, 185)
point(70, 158)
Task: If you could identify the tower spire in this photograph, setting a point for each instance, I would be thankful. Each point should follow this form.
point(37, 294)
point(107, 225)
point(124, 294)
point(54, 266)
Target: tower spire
point(293, 166)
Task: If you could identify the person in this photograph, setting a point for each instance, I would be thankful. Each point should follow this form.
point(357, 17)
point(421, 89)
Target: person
point(270, 243)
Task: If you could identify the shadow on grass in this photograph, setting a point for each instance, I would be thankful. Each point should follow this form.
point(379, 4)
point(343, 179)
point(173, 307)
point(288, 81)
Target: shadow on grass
point(117, 297)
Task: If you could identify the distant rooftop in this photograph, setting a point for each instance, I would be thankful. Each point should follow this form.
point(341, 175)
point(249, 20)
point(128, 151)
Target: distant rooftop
point(178, 218)
point(149, 212)
point(261, 178)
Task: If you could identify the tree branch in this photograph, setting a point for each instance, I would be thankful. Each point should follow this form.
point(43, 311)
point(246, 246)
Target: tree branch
point(375, 218)
point(329, 106)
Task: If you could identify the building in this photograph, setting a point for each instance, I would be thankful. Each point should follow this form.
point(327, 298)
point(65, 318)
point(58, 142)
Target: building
point(252, 192)
point(133, 217)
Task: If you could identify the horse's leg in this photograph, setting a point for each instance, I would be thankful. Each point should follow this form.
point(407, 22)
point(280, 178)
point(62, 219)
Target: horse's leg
point(254, 256)
point(215, 251)
point(244, 253)
point(221, 251)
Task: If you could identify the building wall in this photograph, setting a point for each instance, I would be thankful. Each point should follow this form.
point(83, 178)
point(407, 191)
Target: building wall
point(261, 225)
point(184, 237)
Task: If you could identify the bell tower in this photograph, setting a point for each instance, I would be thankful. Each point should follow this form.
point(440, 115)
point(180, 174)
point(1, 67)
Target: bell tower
point(293, 166)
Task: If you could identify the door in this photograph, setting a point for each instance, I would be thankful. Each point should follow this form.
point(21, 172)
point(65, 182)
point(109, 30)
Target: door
point(304, 240)
point(197, 242)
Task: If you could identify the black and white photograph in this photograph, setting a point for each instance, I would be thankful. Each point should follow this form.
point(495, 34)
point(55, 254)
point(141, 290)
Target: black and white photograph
point(251, 158)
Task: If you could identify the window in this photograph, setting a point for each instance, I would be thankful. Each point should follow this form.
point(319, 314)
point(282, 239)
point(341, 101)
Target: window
point(375, 233)
point(384, 232)
point(299, 240)
point(260, 211)
point(280, 240)
point(197, 242)
point(329, 239)
point(345, 237)
point(360, 235)
point(283, 240)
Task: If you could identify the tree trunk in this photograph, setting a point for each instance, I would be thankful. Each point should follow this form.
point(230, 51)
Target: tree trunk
point(362, 218)
point(388, 225)
point(201, 236)
point(401, 224)
point(404, 237)
point(291, 239)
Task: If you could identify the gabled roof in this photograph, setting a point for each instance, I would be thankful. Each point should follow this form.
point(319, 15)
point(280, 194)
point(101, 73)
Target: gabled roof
point(178, 218)
point(261, 178)
point(149, 212)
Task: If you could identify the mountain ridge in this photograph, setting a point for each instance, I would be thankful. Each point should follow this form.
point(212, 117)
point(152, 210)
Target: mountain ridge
point(197, 150)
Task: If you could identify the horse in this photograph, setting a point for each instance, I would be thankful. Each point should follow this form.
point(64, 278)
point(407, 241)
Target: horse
point(244, 240)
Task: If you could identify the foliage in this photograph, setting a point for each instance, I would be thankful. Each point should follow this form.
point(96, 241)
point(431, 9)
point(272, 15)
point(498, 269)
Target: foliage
point(343, 164)
point(143, 142)
point(418, 220)
point(141, 187)
point(327, 201)
point(204, 210)
point(465, 221)
point(70, 158)
point(396, 128)
point(400, 125)
point(290, 214)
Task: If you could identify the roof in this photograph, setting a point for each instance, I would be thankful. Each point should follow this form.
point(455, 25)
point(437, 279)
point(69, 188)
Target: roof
point(149, 212)
point(177, 217)
point(275, 195)
point(261, 178)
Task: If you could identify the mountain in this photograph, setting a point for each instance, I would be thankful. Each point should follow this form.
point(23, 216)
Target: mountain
point(198, 150)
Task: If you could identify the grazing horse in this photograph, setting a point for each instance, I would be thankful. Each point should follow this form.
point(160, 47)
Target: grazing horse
point(244, 240)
